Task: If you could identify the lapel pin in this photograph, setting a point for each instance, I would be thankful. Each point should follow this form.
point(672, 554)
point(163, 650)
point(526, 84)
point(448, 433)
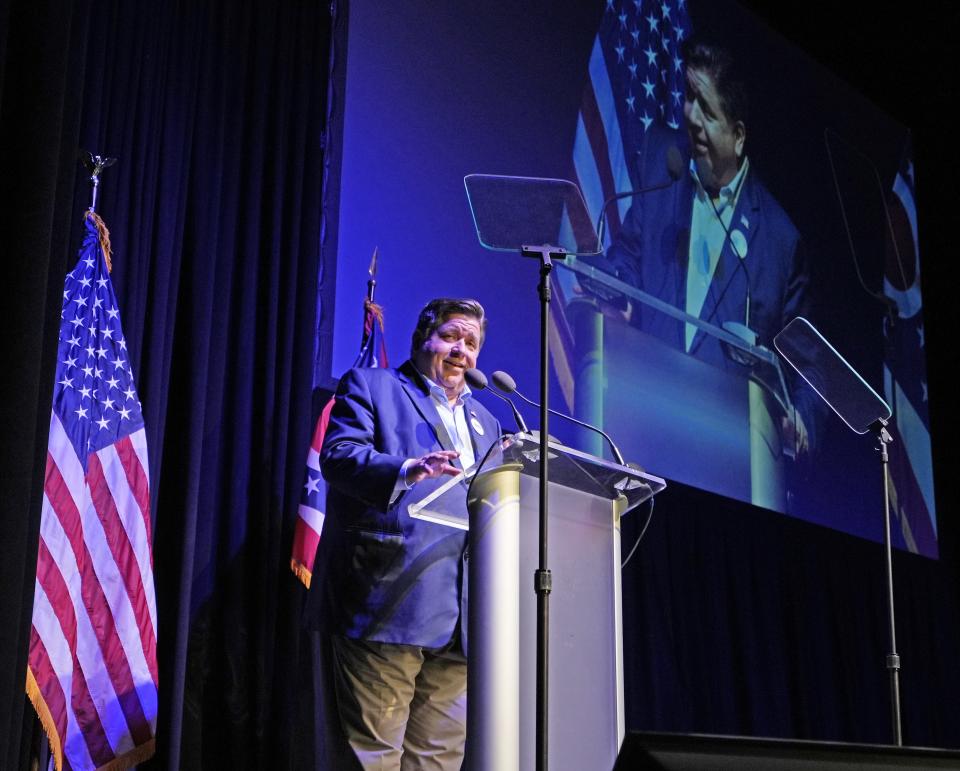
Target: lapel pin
point(739, 241)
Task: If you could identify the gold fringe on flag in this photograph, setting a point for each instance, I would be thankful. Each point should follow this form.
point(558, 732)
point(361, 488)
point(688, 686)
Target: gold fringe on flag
point(301, 572)
point(128, 760)
point(46, 719)
point(135, 757)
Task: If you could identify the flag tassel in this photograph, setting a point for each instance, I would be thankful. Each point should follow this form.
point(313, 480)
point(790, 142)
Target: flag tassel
point(104, 237)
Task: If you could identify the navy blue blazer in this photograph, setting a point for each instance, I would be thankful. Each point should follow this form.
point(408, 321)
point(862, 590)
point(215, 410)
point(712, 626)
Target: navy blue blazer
point(389, 577)
point(652, 251)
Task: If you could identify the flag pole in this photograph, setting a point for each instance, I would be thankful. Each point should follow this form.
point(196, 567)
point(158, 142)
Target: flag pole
point(372, 273)
point(95, 164)
point(371, 290)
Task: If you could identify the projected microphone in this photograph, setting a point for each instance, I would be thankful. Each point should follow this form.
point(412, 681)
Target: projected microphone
point(742, 331)
point(835, 142)
point(478, 382)
point(741, 262)
point(507, 384)
point(674, 169)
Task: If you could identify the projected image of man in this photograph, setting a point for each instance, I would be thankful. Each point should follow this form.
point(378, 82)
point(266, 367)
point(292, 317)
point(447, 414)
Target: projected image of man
point(716, 244)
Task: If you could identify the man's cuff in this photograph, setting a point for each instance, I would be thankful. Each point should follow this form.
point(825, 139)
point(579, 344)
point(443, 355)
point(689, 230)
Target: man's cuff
point(401, 485)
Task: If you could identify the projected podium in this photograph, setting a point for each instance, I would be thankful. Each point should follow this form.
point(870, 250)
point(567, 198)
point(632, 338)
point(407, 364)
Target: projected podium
point(588, 496)
point(718, 429)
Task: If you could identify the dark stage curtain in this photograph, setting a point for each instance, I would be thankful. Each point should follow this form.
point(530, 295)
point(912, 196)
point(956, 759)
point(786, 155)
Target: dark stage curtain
point(744, 622)
point(41, 46)
point(736, 620)
point(216, 112)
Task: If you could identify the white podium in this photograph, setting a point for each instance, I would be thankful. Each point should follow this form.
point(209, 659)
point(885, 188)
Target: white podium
point(588, 495)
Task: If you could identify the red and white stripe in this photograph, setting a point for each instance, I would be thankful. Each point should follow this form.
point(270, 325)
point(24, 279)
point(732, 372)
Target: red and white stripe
point(309, 526)
point(93, 652)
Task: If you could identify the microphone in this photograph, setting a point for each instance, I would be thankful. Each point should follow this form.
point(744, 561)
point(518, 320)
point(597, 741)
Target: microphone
point(507, 384)
point(674, 170)
point(478, 382)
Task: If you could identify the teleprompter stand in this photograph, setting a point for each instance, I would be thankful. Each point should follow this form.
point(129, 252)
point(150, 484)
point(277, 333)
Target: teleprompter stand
point(862, 409)
point(545, 219)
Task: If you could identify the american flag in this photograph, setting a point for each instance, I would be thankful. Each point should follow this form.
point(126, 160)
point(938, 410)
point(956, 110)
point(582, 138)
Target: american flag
point(310, 515)
point(636, 81)
point(92, 664)
point(904, 373)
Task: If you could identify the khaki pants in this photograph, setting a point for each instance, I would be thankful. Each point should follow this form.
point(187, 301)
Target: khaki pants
point(401, 706)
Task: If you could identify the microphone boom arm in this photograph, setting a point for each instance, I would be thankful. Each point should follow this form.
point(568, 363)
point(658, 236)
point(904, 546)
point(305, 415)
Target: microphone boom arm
point(503, 382)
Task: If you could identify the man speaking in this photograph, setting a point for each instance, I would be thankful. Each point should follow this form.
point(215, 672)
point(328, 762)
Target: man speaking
point(395, 586)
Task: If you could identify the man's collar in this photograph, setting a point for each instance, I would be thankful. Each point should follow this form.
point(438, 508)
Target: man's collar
point(439, 393)
point(729, 192)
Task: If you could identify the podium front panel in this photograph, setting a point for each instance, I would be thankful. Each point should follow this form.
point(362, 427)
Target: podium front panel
point(586, 713)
